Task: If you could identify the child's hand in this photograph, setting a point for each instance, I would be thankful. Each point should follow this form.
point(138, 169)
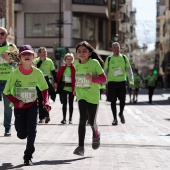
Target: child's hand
point(74, 92)
point(21, 103)
point(6, 57)
point(48, 108)
point(88, 77)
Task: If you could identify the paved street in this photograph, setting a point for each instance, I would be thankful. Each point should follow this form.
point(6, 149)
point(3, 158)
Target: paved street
point(143, 143)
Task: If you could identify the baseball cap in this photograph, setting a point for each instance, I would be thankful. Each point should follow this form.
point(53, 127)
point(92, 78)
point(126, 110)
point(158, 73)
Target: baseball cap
point(26, 48)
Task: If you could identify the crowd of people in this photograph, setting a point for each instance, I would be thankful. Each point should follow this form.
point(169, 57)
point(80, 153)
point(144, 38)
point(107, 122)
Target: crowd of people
point(27, 83)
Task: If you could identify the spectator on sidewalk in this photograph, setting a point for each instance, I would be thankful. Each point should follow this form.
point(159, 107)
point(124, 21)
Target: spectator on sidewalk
point(66, 85)
point(20, 89)
point(6, 68)
point(89, 76)
point(46, 65)
point(117, 67)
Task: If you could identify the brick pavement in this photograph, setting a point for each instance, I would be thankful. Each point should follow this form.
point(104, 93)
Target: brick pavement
point(143, 143)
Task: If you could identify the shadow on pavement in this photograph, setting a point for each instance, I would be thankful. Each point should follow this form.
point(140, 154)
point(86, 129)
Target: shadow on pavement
point(155, 102)
point(45, 162)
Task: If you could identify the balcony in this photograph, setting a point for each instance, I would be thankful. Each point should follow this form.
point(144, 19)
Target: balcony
point(93, 9)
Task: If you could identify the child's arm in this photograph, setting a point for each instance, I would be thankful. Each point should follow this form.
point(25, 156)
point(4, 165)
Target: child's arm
point(17, 103)
point(45, 99)
point(100, 79)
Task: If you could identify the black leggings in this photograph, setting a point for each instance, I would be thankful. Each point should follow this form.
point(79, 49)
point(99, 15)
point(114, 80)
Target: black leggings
point(64, 95)
point(90, 110)
point(150, 92)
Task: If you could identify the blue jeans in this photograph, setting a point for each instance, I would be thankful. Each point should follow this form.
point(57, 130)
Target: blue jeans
point(7, 109)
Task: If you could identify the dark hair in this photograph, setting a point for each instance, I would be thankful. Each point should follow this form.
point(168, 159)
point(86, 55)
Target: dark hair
point(94, 55)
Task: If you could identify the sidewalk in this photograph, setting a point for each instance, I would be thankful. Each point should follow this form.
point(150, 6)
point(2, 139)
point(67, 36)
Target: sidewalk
point(143, 143)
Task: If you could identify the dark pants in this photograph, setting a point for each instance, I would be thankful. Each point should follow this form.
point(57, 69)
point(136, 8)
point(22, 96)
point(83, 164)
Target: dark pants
point(85, 109)
point(25, 125)
point(117, 90)
point(150, 93)
point(43, 113)
point(70, 95)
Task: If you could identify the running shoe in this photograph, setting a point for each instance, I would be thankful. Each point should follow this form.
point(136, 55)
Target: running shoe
point(122, 119)
point(63, 122)
point(70, 122)
point(42, 121)
point(79, 151)
point(96, 142)
point(7, 132)
point(115, 122)
point(28, 162)
point(47, 119)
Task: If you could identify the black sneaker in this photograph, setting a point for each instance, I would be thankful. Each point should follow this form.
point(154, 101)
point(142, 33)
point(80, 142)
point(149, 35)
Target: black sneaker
point(122, 119)
point(63, 122)
point(115, 122)
point(7, 132)
point(28, 162)
point(96, 142)
point(79, 151)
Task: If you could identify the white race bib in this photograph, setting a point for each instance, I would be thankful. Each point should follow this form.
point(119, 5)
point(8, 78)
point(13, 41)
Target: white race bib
point(81, 81)
point(117, 71)
point(26, 94)
point(68, 79)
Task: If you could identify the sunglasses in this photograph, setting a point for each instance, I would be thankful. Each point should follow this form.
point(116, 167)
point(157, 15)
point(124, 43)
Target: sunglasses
point(2, 33)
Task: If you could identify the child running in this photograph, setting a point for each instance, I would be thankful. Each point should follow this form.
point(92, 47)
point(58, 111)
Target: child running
point(89, 76)
point(21, 91)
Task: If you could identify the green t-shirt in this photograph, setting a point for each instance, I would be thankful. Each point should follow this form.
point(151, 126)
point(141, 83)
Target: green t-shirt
point(86, 90)
point(46, 67)
point(67, 78)
point(5, 67)
point(116, 70)
point(23, 87)
point(137, 80)
point(151, 80)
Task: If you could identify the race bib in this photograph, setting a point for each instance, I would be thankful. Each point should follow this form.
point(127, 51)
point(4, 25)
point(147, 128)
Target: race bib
point(117, 71)
point(81, 81)
point(26, 94)
point(45, 74)
point(68, 79)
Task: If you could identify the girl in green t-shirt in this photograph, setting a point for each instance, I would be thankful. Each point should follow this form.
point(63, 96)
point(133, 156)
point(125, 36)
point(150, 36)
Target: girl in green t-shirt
point(66, 85)
point(89, 76)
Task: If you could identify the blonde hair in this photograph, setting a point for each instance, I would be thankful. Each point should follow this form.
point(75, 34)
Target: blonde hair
point(69, 55)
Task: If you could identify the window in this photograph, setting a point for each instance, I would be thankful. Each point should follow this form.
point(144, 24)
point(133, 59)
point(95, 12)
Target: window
point(42, 25)
point(100, 31)
point(90, 2)
point(76, 27)
point(90, 28)
point(113, 5)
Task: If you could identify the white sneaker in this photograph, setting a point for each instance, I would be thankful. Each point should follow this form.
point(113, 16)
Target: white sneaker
point(42, 121)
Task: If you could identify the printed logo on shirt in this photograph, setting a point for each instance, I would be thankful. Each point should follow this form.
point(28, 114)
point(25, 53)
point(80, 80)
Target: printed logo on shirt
point(18, 83)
